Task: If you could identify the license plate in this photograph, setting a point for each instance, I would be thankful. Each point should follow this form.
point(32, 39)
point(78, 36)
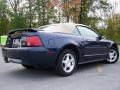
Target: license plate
point(17, 42)
point(14, 60)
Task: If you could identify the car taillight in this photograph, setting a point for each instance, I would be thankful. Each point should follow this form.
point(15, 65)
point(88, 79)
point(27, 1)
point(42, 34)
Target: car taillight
point(33, 41)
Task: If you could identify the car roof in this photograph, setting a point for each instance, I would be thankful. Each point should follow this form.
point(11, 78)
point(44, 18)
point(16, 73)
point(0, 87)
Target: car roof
point(63, 27)
point(67, 24)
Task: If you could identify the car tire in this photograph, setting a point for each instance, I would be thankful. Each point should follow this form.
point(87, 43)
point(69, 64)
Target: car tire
point(6, 59)
point(113, 56)
point(66, 63)
point(28, 66)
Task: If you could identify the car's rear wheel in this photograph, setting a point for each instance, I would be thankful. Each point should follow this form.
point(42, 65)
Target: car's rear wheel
point(113, 56)
point(28, 66)
point(66, 63)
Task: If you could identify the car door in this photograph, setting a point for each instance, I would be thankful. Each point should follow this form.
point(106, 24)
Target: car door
point(94, 48)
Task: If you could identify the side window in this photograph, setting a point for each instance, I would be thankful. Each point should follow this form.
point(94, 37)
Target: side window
point(86, 32)
point(76, 32)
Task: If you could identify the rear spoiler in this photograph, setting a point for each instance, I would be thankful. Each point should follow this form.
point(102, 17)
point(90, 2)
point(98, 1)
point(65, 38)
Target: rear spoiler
point(25, 29)
point(12, 32)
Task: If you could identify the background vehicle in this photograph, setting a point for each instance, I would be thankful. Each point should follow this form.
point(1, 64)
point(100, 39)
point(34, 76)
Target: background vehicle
point(62, 46)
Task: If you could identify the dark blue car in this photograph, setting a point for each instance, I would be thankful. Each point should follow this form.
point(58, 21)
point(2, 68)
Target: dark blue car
point(62, 46)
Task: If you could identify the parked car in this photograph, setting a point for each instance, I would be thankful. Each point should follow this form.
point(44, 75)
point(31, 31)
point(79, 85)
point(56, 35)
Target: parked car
point(61, 46)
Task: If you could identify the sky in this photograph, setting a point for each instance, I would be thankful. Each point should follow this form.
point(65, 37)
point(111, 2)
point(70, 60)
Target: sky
point(116, 3)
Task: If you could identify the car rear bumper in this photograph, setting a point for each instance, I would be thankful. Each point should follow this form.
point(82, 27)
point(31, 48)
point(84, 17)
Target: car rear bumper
point(37, 56)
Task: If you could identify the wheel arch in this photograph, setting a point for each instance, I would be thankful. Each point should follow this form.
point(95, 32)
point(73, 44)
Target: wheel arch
point(72, 47)
point(114, 45)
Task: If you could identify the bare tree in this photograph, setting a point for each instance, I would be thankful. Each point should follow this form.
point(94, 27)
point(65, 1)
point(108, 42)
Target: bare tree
point(15, 5)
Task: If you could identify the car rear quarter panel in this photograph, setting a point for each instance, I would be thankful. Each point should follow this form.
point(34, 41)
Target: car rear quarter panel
point(57, 42)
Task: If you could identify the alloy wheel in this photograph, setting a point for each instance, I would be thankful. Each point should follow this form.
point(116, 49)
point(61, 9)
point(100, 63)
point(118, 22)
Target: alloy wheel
point(68, 63)
point(112, 56)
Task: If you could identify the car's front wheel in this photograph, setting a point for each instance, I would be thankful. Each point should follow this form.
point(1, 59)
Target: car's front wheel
point(113, 56)
point(66, 63)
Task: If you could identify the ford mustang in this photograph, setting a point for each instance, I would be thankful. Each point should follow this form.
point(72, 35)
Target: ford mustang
point(61, 46)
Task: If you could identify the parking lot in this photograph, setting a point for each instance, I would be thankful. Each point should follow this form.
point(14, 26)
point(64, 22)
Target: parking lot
point(94, 76)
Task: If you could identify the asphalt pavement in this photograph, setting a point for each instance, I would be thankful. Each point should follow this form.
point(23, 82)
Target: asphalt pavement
point(93, 76)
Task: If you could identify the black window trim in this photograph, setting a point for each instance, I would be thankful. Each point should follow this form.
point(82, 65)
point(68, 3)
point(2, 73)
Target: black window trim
point(88, 28)
point(78, 31)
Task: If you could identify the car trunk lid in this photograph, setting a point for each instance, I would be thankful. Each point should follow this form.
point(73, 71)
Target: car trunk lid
point(15, 37)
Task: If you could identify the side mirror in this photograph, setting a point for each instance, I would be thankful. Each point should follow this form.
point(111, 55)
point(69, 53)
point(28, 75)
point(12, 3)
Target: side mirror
point(101, 37)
